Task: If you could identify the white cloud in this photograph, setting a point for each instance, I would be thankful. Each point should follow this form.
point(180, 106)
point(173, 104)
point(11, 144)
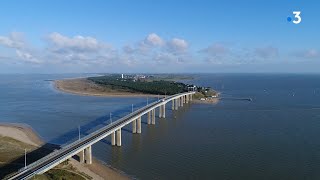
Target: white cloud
point(23, 52)
point(85, 52)
point(177, 45)
point(215, 49)
point(78, 49)
point(154, 50)
point(154, 40)
point(312, 53)
point(76, 43)
point(27, 57)
point(14, 40)
point(309, 53)
point(267, 52)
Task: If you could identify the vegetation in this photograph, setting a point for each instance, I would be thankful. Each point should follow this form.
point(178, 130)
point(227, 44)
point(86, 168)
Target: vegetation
point(59, 174)
point(145, 85)
point(171, 77)
point(205, 93)
point(12, 158)
point(11, 149)
point(198, 95)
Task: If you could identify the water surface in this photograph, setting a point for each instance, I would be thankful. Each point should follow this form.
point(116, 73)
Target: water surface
point(276, 136)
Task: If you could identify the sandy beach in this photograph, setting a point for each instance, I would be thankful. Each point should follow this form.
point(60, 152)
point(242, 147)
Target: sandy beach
point(16, 137)
point(82, 86)
point(21, 132)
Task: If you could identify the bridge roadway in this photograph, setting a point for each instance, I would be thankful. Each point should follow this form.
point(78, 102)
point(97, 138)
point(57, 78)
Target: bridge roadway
point(66, 152)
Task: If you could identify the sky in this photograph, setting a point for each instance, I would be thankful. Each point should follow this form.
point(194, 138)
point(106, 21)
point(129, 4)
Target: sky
point(159, 36)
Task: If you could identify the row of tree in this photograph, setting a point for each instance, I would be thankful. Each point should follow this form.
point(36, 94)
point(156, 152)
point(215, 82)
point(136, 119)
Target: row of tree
point(148, 87)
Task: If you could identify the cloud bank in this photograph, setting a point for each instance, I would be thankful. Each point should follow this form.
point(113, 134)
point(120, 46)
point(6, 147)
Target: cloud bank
point(152, 51)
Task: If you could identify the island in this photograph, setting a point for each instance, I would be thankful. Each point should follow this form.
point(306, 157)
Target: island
point(136, 85)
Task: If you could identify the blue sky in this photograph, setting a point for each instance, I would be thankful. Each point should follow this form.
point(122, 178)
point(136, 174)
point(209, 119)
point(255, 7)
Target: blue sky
point(158, 36)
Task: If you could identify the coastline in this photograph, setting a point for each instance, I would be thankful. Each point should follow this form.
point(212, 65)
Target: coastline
point(19, 135)
point(210, 101)
point(84, 87)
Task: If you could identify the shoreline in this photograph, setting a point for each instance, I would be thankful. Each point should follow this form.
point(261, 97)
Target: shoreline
point(25, 134)
point(21, 132)
point(210, 101)
point(84, 87)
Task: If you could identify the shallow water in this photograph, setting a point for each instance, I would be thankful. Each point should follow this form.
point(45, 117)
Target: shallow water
point(273, 137)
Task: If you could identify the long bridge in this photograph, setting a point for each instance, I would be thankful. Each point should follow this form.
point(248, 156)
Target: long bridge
point(82, 147)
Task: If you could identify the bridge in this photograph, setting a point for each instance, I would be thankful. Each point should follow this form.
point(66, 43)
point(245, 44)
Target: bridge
point(82, 147)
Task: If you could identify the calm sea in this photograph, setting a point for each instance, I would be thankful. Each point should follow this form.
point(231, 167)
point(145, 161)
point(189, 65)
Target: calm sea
point(275, 136)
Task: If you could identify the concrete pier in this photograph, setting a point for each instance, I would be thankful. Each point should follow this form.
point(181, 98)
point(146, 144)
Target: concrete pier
point(113, 138)
point(149, 117)
point(134, 126)
point(173, 107)
point(81, 156)
point(88, 155)
point(160, 111)
point(119, 137)
point(153, 117)
point(181, 101)
point(164, 111)
point(176, 104)
point(139, 125)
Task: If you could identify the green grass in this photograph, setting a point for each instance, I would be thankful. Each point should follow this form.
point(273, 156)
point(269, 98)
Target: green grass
point(11, 149)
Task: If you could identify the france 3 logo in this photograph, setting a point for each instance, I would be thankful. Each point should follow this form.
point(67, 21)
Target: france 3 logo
point(297, 17)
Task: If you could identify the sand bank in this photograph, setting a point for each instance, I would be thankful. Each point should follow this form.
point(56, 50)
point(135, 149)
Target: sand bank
point(21, 132)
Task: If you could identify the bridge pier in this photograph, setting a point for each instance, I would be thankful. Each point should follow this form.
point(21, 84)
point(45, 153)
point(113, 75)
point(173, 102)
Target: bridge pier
point(181, 101)
point(81, 156)
point(149, 117)
point(173, 107)
point(176, 104)
point(153, 116)
point(134, 126)
point(164, 111)
point(139, 125)
point(88, 155)
point(119, 137)
point(160, 111)
point(113, 138)
point(187, 98)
